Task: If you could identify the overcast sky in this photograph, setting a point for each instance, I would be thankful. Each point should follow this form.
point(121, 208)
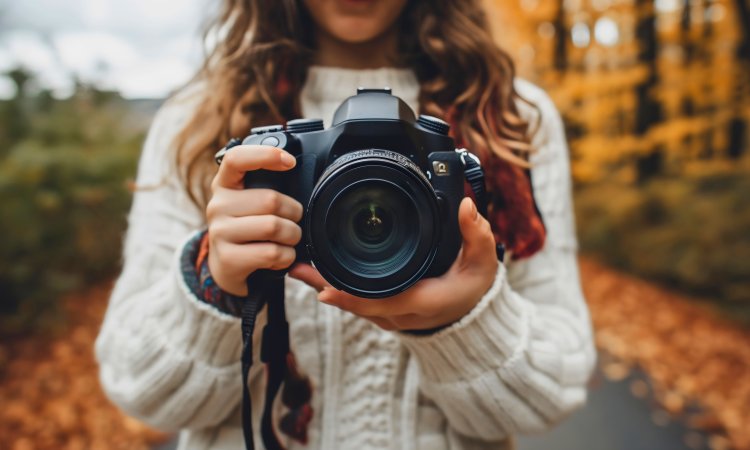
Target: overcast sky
point(143, 48)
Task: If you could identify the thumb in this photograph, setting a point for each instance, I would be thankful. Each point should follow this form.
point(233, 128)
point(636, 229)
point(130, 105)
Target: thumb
point(478, 241)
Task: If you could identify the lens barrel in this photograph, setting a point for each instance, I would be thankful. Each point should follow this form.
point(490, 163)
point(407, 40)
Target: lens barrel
point(373, 223)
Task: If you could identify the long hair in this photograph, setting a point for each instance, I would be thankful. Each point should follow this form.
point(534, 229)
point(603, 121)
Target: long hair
point(255, 71)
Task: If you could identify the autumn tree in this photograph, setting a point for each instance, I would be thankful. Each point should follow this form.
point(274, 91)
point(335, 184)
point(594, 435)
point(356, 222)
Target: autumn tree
point(648, 111)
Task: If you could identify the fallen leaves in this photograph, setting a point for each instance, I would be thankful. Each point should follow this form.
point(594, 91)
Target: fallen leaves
point(690, 354)
point(50, 393)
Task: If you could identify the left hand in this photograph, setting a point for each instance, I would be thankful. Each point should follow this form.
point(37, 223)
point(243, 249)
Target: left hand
point(431, 302)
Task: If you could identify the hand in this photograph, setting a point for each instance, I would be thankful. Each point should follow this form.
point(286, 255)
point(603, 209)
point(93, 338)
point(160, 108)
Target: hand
point(431, 302)
point(250, 229)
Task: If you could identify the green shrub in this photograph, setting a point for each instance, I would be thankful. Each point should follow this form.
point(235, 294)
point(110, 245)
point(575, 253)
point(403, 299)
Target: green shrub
point(692, 232)
point(64, 198)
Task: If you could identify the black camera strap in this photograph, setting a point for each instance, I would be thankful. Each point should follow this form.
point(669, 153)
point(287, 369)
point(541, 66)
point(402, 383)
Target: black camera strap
point(264, 288)
point(475, 177)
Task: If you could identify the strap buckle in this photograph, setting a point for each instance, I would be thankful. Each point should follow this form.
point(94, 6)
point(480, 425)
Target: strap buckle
point(465, 154)
point(475, 177)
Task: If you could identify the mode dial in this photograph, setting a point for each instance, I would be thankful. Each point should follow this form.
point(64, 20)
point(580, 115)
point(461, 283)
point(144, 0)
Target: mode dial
point(304, 125)
point(267, 129)
point(433, 124)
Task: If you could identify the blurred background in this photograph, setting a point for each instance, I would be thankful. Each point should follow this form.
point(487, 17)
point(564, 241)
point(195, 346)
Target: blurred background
point(656, 99)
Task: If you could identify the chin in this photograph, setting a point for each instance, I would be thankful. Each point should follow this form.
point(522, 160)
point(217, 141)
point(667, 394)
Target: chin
point(355, 21)
point(355, 31)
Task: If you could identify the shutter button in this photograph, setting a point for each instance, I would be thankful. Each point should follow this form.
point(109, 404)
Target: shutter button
point(273, 141)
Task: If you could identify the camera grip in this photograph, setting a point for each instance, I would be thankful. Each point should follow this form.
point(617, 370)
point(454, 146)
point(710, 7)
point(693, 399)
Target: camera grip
point(268, 179)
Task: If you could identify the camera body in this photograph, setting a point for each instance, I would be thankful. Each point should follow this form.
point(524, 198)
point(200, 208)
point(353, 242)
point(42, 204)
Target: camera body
point(380, 190)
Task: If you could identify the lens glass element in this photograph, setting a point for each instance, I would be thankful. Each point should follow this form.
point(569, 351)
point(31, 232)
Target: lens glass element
point(372, 225)
point(370, 229)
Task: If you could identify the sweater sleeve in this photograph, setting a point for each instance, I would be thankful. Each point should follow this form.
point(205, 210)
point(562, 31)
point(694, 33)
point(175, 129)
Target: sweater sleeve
point(519, 362)
point(166, 357)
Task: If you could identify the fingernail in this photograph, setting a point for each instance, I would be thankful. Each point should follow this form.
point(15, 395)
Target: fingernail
point(287, 159)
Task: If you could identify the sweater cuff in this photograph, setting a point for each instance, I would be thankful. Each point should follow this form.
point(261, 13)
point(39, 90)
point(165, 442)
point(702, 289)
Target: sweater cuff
point(195, 273)
point(491, 335)
point(213, 334)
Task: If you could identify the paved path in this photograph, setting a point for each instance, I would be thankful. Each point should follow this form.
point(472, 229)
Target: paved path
point(614, 419)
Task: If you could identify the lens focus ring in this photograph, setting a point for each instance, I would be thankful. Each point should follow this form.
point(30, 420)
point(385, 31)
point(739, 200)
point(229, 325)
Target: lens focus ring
point(361, 155)
point(372, 223)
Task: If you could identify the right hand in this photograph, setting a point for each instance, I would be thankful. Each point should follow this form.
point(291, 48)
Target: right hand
point(250, 229)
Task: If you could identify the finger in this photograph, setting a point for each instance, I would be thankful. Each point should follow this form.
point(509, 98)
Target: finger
point(241, 260)
point(309, 275)
point(359, 306)
point(253, 202)
point(423, 306)
point(244, 158)
point(242, 230)
point(476, 232)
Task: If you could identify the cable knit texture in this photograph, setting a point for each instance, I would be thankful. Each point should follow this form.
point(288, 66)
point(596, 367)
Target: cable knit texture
point(517, 363)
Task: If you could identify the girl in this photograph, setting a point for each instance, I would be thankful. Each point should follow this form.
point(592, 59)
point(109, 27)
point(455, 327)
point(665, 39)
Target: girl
point(465, 360)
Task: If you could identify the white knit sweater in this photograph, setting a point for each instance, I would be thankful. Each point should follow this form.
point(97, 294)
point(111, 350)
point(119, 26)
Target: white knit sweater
point(517, 363)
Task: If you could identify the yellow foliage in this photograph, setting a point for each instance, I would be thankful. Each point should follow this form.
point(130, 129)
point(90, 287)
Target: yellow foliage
point(696, 83)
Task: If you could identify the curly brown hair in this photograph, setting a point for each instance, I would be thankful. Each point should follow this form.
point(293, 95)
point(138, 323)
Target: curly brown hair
point(257, 68)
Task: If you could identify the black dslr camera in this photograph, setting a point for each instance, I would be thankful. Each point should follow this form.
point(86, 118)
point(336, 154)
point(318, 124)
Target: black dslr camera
point(381, 192)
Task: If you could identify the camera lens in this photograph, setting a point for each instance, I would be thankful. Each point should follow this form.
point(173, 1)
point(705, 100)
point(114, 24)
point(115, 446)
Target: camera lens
point(364, 230)
point(372, 223)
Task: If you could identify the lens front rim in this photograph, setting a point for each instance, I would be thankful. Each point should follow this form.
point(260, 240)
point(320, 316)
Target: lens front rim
point(380, 166)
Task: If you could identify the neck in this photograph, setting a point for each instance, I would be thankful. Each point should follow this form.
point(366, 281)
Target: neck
point(381, 51)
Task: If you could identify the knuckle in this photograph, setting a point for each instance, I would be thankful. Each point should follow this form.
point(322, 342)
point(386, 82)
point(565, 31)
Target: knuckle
point(217, 230)
point(272, 202)
point(273, 226)
point(273, 253)
point(214, 207)
point(231, 159)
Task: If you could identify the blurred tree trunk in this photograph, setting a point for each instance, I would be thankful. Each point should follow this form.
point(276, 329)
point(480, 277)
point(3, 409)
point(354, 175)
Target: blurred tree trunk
point(688, 106)
point(738, 125)
point(648, 111)
point(704, 51)
point(561, 39)
point(743, 16)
